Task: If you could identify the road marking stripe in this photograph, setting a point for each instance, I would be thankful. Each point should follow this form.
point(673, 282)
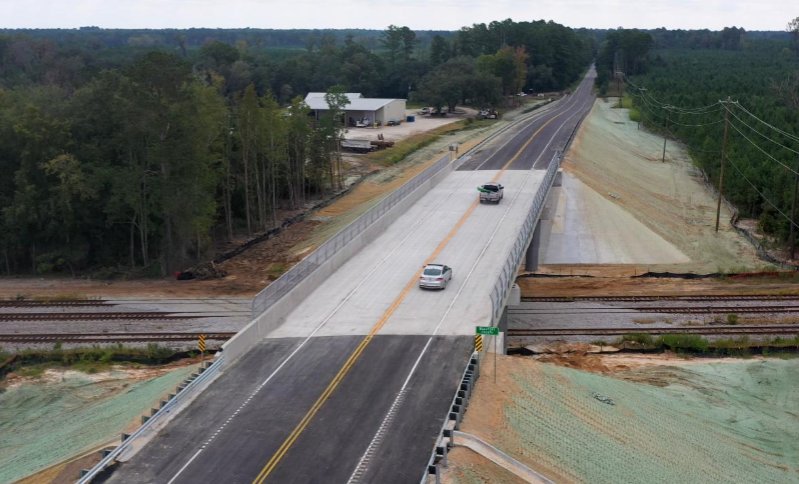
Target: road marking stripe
point(335, 310)
point(286, 445)
point(344, 370)
point(363, 465)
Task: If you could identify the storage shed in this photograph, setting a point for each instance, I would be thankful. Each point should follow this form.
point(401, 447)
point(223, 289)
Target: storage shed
point(361, 111)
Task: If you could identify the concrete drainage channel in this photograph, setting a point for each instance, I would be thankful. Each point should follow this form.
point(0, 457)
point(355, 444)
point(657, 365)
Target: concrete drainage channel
point(184, 393)
point(457, 409)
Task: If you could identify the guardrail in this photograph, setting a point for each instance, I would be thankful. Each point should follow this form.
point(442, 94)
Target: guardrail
point(453, 421)
point(205, 374)
point(502, 287)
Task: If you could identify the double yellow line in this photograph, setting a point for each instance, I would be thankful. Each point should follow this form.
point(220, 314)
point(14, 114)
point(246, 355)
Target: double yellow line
point(356, 353)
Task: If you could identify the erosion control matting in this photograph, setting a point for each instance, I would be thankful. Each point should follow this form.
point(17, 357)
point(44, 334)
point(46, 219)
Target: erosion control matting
point(705, 422)
point(66, 413)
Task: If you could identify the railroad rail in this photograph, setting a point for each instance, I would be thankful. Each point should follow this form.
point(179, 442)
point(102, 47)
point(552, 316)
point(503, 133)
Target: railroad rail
point(104, 316)
point(702, 297)
point(109, 337)
point(662, 309)
point(23, 303)
point(706, 330)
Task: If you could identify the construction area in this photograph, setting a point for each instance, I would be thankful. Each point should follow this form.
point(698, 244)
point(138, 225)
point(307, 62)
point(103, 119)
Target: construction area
point(598, 418)
point(582, 412)
point(572, 414)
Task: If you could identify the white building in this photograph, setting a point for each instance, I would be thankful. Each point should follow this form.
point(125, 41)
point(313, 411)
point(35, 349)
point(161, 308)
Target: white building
point(361, 111)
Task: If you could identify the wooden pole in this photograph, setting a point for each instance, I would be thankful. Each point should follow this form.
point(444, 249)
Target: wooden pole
point(792, 236)
point(721, 171)
point(663, 159)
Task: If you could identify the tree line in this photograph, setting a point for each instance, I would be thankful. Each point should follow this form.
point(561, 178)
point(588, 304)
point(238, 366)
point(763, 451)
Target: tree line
point(750, 86)
point(146, 154)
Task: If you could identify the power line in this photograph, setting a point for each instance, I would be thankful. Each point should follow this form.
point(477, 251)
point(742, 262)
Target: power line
point(763, 151)
point(789, 135)
point(672, 121)
point(761, 194)
point(761, 134)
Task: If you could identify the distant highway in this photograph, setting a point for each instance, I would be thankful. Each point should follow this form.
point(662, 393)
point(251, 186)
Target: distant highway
point(354, 385)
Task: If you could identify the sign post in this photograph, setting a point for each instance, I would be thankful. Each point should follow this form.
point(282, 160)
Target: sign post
point(490, 331)
point(201, 346)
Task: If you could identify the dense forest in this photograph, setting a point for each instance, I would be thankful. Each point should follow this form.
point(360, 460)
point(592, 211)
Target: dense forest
point(140, 151)
point(731, 94)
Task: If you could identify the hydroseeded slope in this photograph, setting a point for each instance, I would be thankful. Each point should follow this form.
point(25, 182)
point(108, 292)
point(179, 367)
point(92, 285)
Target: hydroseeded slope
point(725, 422)
point(41, 424)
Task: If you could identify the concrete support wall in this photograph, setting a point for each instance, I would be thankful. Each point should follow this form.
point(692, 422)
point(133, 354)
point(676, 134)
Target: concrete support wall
point(531, 256)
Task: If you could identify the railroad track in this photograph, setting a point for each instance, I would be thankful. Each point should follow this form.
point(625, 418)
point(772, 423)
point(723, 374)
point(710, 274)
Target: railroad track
point(110, 337)
point(663, 309)
point(45, 303)
point(706, 330)
point(105, 316)
point(706, 297)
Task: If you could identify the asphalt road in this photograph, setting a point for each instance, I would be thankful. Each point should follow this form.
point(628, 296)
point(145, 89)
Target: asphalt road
point(360, 375)
point(533, 143)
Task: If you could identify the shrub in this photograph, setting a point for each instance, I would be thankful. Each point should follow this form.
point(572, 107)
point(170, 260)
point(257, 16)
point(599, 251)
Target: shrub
point(640, 338)
point(679, 342)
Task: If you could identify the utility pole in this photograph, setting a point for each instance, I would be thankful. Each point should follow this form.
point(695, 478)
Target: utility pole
point(723, 154)
point(641, 112)
point(792, 236)
point(663, 159)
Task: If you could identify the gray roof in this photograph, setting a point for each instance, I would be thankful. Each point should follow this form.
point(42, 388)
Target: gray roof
point(316, 101)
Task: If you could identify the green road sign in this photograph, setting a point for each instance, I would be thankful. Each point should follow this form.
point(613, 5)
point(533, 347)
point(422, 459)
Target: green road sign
point(489, 330)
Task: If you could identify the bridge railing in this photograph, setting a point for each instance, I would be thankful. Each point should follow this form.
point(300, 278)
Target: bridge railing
point(186, 394)
point(282, 285)
point(501, 289)
point(277, 289)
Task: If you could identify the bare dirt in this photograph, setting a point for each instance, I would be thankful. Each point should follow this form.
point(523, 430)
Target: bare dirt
point(670, 203)
point(671, 207)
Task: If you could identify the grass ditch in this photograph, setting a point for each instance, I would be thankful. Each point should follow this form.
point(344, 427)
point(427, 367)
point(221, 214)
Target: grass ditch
point(698, 345)
point(407, 146)
point(32, 363)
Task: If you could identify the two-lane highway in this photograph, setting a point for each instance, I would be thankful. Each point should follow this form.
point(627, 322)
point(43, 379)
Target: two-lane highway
point(355, 384)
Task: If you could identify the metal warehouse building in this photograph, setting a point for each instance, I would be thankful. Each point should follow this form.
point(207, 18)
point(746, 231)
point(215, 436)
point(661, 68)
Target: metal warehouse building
point(361, 111)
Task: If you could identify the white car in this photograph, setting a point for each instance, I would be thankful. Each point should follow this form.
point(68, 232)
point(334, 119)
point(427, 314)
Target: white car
point(435, 276)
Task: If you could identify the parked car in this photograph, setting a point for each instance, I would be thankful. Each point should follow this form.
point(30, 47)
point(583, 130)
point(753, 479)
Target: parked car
point(491, 192)
point(424, 110)
point(435, 276)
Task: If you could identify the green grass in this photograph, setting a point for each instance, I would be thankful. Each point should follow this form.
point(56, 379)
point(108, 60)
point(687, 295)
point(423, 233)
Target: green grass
point(691, 343)
point(32, 363)
point(684, 342)
point(404, 148)
point(32, 371)
point(276, 269)
point(639, 338)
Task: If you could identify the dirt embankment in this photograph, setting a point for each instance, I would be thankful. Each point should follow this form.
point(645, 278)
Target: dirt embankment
point(613, 166)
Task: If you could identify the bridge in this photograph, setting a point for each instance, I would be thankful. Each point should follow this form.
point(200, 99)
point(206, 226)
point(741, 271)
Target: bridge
point(348, 370)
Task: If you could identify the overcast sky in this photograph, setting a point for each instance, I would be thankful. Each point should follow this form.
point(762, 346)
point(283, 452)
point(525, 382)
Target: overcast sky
point(378, 14)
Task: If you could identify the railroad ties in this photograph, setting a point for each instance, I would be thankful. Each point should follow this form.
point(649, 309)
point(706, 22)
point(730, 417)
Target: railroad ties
point(18, 318)
point(704, 330)
point(110, 337)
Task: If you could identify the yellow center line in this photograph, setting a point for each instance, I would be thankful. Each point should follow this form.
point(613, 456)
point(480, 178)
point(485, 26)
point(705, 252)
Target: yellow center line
point(356, 353)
